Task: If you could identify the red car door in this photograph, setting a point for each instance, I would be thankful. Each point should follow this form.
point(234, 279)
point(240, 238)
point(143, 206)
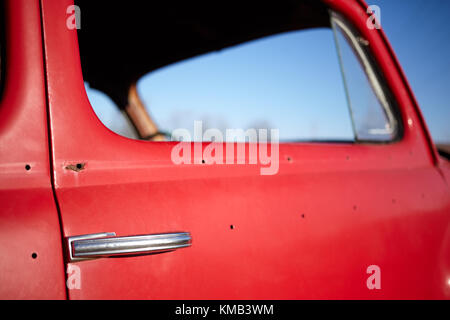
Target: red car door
point(31, 255)
point(311, 231)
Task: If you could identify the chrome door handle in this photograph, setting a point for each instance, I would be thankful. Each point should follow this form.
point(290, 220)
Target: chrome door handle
point(106, 244)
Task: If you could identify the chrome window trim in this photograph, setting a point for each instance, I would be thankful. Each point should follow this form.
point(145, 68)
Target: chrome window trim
point(378, 85)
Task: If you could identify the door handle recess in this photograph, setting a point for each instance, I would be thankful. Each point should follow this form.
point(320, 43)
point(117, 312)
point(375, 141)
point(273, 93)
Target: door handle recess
point(106, 244)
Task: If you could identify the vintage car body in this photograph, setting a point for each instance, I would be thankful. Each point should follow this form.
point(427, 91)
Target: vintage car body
point(309, 232)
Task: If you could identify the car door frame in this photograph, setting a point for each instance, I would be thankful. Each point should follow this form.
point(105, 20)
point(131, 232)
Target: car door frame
point(86, 155)
point(32, 263)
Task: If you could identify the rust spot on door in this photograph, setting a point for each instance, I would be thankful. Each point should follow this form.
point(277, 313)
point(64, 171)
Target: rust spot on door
point(76, 167)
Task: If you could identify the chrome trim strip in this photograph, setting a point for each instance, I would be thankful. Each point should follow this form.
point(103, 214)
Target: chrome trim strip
point(356, 42)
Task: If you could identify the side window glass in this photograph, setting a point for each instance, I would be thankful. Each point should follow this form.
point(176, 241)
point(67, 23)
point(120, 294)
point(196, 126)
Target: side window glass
point(371, 112)
point(317, 84)
point(290, 82)
point(109, 114)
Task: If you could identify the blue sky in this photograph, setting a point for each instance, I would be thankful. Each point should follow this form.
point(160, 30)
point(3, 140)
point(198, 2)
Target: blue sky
point(277, 82)
point(292, 81)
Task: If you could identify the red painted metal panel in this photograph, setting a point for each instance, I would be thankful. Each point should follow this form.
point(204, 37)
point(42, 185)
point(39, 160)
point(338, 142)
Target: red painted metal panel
point(308, 232)
point(28, 216)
